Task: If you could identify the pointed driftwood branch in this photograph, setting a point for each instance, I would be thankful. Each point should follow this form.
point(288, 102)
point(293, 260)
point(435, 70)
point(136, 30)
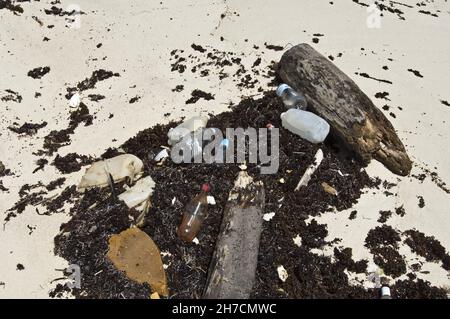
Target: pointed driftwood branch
point(353, 118)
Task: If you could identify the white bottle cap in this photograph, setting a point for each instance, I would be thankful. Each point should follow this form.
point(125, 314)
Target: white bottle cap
point(385, 291)
point(281, 88)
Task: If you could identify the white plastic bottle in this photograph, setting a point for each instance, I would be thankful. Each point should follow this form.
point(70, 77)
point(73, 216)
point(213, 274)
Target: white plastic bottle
point(305, 124)
point(291, 98)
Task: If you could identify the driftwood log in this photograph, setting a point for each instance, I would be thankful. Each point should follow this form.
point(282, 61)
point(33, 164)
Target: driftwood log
point(354, 119)
point(233, 267)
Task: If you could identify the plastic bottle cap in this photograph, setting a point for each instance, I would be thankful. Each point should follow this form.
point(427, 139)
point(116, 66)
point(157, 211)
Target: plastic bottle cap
point(281, 88)
point(206, 188)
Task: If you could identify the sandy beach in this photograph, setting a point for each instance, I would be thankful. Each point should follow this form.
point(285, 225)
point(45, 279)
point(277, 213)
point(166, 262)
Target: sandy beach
point(409, 51)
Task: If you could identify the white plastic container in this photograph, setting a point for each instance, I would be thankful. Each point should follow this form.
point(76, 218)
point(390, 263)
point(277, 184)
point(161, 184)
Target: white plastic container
point(307, 125)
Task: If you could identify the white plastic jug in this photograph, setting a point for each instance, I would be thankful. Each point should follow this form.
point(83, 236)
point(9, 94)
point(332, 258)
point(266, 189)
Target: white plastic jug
point(305, 124)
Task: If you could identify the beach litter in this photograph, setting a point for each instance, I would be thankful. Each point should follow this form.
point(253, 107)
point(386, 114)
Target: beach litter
point(318, 158)
point(122, 167)
point(135, 253)
point(191, 125)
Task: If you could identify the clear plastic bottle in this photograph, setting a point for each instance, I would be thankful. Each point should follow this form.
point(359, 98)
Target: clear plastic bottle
point(305, 124)
point(291, 98)
point(194, 214)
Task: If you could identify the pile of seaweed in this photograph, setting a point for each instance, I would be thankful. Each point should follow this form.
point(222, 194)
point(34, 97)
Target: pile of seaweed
point(97, 215)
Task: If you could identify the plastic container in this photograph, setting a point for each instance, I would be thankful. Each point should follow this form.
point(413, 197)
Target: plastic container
point(291, 98)
point(306, 124)
point(385, 293)
point(194, 214)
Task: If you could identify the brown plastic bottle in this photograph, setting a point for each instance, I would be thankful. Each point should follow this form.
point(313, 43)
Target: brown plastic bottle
point(193, 215)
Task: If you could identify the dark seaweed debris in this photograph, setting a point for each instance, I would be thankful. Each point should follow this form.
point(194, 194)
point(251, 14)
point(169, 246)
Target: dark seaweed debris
point(39, 72)
point(3, 170)
point(383, 244)
point(428, 247)
point(420, 289)
point(198, 48)
point(11, 96)
point(199, 94)
point(416, 73)
point(71, 162)
point(60, 12)
point(176, 184)
point(89, 83)
point(273, 47)
point(11, 6)
point(57, 139)
point(27, 128)
point(134, 99)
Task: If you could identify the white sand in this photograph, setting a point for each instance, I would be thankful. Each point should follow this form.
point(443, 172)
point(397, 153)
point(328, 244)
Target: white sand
point(138, 47)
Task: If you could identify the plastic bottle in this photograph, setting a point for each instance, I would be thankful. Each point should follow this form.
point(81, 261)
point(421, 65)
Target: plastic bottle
point(191, 125)
point(291, 98)
point(385, 293)
point(192, 144)
point(193, 215)
point(305, 124)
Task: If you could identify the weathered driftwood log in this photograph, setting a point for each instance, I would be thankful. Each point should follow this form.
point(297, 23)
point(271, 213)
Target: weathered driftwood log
point(353, 118)
point(233, 267)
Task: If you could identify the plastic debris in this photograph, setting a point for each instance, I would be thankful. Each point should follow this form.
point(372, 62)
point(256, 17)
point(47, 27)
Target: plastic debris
point(161, 155)
point(75, 100)
point(122, 167)
point(329, 189)
point(385, 293)
point(193, 215)
point(268, 217)
point(291, 98)
point(318, 158)
point(282, 273)
point(196, 241)
point(139, 193)
point(135, 253)
point(307, 125)
point(187, 127)
point(211, 200)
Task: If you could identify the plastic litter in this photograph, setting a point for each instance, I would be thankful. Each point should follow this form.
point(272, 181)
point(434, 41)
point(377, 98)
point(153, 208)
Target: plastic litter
point(161, 155)
point(385, 293)
point(75, 100)
point(194, 214)
point(139, 193)
point(122, 167)
point(189, 126)
point(291, 98)
point(135, 253)
point(306, 124)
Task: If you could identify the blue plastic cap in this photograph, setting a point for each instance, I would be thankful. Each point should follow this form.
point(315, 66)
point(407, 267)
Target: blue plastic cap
point(281, 88)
